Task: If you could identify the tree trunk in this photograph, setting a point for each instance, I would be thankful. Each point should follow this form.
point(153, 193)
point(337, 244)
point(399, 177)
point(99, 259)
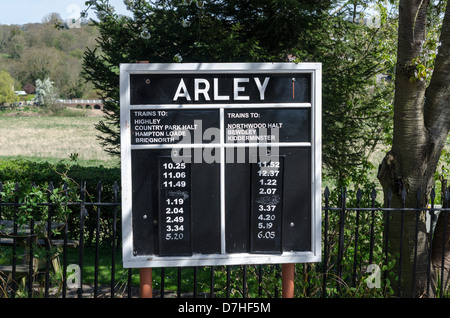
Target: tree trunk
point(441, 256)
point(421, 125)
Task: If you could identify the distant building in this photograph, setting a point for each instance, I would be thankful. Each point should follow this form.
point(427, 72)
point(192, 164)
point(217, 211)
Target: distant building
point(29, 88)
point(73, 23)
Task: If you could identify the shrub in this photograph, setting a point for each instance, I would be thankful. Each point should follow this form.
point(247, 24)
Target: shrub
point(25, 172)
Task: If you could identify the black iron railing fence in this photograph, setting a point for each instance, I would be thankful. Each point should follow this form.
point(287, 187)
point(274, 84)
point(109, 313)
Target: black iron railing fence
point(54, 246)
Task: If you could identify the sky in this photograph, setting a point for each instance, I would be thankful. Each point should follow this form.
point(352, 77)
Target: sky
point(33, 11)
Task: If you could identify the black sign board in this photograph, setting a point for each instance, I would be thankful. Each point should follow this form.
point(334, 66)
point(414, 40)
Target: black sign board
point(220, 163)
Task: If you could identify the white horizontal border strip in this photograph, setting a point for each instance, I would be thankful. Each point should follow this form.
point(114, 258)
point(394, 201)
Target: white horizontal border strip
point(212, 68)
point(218, 106)
point(218, 145)
point(221, 259)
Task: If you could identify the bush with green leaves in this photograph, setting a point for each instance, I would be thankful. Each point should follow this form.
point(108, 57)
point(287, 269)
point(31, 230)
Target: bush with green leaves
point(356, 103)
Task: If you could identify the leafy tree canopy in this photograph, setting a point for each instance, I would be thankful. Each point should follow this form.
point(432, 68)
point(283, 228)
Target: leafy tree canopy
point(7, 88)
point(39, 50)
point(45, 92)
point(356, 106)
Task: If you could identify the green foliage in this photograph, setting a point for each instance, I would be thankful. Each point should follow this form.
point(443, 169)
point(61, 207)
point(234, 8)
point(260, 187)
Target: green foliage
point(35, 192)
point(356, 106)
point(38, 51)
point(6, 88)
point(424, 63)
point(25, 173)
point(45, 92)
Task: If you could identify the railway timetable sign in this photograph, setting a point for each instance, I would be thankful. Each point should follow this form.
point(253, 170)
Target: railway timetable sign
point(221, 163)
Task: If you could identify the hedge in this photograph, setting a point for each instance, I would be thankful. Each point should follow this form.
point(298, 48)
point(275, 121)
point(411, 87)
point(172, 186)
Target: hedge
point(26, 172)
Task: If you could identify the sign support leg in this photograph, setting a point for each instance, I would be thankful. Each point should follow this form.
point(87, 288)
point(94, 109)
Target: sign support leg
point(146, 283)
point(287, 276)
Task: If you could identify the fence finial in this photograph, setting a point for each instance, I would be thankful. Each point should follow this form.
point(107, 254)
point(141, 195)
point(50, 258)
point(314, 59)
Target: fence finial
point(404, 194)
point(327, 193)
point(116, 187)
point(99, 186)
point(373, 194)
point(419, 195)
point(358, 195)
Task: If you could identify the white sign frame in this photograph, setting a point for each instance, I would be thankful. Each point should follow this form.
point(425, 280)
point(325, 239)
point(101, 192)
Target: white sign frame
point(145, 261)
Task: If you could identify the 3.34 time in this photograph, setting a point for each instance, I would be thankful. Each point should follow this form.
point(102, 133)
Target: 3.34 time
point(174, 228)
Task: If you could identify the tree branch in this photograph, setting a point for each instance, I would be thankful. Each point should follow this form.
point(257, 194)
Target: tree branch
point(437, 110)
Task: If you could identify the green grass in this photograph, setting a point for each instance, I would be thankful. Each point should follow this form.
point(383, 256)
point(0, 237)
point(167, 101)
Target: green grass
point(40, 137)
point(121, 274)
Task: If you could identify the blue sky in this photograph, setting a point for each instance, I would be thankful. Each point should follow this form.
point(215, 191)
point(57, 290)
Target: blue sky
point(32, 11)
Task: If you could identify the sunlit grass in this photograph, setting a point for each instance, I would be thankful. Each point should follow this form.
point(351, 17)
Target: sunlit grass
point(52, 138)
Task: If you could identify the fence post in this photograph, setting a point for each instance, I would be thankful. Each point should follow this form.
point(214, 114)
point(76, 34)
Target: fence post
point(146, 283)
point(114, 233)
point(49, 256)
point(97, 238)
point(287, 277)
point(14, 247)
point(1, 190)
point(83, 214)
point(66, 233)
point(325, 243)
point(146, 273)
point(341, 234)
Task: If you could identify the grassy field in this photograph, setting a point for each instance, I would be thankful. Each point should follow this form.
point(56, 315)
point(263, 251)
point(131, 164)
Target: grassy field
point(42, 137)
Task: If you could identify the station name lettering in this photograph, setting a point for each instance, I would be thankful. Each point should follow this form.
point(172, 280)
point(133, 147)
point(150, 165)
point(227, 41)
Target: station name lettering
point(203, 86)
